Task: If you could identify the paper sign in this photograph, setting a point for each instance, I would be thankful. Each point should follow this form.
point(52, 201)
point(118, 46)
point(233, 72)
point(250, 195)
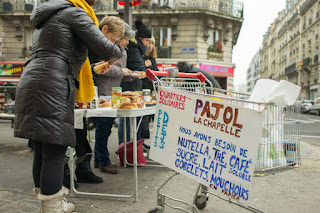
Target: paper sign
point(207, 139)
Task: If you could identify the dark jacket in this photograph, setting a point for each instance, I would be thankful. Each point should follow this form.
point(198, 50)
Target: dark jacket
point(45, 94)
point(189, 68)
point(135, 62)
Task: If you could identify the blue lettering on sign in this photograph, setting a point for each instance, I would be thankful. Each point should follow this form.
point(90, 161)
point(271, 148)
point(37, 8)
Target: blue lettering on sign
point(192, 169)
point(164, 117)
point(227, 146)
point(188, 50)
point(229, 188)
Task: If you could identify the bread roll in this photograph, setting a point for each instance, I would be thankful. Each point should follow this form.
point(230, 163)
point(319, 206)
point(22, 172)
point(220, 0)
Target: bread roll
point(106, 104)
point(134, 100)
point(130, 93)
point(125, 100)
point(126, 107)
point(98, 69)
point(140, 105)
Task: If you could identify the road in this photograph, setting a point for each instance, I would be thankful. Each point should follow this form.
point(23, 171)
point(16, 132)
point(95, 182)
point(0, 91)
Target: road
point(289, 191)
point(310, 128)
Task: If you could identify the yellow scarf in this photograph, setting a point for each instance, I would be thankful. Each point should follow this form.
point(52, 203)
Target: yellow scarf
point(86, 92)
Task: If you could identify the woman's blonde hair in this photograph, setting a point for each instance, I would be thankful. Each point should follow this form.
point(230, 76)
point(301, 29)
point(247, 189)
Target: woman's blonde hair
point(115, 25)
point(153, 53)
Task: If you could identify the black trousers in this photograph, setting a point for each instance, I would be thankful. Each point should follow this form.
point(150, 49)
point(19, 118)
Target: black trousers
point(48, 167)
point(82, 146)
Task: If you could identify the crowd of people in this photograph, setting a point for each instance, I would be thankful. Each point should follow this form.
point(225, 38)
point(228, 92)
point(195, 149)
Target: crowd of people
point(68, 43)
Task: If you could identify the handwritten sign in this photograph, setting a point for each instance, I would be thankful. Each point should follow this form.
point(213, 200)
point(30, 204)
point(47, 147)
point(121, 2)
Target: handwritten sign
point(208, 140)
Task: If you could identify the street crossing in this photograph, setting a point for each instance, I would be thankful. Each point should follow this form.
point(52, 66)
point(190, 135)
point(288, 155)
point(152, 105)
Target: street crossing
point(308, 121)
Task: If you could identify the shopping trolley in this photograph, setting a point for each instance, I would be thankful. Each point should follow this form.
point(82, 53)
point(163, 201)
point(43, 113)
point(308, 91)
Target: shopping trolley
point(277, 151)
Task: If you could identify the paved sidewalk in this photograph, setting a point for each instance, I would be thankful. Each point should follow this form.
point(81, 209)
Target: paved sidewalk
point(294, 190)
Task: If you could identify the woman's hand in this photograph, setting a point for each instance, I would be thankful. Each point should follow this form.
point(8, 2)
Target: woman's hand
point(139, 74)
point(126, 72)
point(148, 63)
point(105, 69)
point(102, 100)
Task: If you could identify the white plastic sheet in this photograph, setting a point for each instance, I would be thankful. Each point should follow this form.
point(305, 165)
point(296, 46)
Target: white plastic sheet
point(281, 93)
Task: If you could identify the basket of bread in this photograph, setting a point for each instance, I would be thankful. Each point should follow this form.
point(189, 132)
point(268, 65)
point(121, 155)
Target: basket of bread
point(129, 100)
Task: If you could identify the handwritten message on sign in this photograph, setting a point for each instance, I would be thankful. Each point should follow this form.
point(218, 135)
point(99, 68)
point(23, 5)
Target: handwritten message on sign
point(208, 140)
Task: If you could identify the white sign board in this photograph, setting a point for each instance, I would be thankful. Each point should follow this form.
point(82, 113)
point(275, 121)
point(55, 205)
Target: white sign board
point(207, 139)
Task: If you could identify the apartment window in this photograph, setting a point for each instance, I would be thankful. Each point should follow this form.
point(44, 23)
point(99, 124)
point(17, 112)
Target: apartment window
point(162, 36)
point(213, 37)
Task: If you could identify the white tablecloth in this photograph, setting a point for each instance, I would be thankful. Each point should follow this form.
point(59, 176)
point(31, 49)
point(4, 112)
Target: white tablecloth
point(109, 112)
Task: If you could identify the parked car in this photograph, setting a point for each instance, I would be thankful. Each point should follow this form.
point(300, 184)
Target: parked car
point(305, 105)
point(315, 108)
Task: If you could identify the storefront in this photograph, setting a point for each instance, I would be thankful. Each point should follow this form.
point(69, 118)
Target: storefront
point(223, 72)
point(10, 73)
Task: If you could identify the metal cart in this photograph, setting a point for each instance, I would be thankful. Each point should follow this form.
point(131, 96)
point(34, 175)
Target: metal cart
point(279, 147)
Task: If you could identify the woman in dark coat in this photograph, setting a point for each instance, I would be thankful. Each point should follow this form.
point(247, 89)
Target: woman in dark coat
point(45, 96)
point(137, 47)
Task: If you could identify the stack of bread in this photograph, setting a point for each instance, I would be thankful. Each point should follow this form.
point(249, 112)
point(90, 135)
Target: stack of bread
point(130, 100)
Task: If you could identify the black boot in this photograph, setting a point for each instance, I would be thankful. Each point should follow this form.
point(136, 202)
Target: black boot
point(84, 172)
point(66, 178)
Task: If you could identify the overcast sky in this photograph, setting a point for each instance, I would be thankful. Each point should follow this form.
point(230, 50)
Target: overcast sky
point(258, 15)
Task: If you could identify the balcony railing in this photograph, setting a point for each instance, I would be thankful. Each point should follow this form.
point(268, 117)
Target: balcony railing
point(233, 8)
point(306, 6)
point(290, 68)
point(306, 62)
point(214, 56)
point(7, 6)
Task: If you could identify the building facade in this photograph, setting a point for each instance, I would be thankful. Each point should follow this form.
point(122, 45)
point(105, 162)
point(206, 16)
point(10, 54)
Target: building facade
point(253, 72)
point(290, 47)
point(200, 32)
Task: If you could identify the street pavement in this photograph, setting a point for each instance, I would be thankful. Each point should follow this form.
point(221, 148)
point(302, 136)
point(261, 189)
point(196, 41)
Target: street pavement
point(292, 190)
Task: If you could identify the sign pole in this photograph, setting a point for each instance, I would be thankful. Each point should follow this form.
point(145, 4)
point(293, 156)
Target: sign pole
point(128, 13)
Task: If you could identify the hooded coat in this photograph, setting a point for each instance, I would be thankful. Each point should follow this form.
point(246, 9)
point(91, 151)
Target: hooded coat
point(45, 94)
point(189, 68)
